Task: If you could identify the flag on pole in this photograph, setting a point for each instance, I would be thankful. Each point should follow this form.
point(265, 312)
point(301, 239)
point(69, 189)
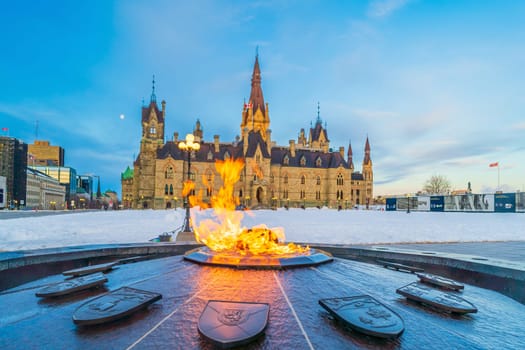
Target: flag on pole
point(492, 165)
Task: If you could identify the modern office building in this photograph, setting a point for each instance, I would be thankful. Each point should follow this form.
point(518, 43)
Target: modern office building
point(3, 192)
point(66, 176)
point(43, 191)
point(85, 182)
point(13, 166)
point(43, 154)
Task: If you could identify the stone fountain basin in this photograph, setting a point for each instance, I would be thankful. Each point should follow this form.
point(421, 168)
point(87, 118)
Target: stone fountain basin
point(205, 256)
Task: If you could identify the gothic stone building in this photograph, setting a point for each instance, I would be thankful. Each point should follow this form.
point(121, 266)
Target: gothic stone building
point(304, 173)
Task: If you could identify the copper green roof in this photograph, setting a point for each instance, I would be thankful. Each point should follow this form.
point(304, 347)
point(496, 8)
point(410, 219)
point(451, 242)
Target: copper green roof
point(128, 174)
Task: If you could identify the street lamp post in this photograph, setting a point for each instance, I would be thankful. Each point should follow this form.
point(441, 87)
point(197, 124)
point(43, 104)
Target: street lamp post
point(408, 203)
point(188, 146)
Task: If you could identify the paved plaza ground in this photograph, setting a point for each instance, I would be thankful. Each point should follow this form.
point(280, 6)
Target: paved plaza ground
point(296, 319)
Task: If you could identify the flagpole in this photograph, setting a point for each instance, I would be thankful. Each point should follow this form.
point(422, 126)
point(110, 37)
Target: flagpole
point(498, 176)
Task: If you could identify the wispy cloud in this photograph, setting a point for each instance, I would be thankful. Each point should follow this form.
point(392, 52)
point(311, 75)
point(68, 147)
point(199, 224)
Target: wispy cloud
point(28, 113)
point(518, 126)
point(376, 115)
point(384, 8)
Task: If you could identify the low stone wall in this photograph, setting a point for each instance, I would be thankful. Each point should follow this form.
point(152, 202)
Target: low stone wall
point(502, 276)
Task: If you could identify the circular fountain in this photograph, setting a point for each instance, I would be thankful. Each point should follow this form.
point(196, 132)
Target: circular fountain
point(310, 257)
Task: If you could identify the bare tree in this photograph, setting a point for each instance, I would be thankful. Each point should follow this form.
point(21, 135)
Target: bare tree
point(437, 184)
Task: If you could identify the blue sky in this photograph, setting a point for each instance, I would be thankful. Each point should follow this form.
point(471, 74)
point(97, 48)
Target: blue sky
point(438, 86)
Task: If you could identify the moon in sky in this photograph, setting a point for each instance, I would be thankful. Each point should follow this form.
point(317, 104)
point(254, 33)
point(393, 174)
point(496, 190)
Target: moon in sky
point(122, 116)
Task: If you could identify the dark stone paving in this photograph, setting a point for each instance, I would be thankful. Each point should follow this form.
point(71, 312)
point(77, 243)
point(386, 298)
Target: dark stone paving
point(512, 250)
point(296, 319)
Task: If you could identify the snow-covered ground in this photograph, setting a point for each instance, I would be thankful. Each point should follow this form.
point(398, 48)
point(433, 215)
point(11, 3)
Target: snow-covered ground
point(310, 225)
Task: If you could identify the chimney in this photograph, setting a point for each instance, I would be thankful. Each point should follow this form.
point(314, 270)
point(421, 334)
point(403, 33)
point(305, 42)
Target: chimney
point(216, 143)
point(292, 148)
point(175, 137)
point(163, 103)
point(342, 151)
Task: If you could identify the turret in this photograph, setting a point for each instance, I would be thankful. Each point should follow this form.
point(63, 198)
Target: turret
point(198, 133)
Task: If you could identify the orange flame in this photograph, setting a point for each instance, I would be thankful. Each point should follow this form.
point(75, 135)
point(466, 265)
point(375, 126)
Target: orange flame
point(257, 170)
point(223, 231)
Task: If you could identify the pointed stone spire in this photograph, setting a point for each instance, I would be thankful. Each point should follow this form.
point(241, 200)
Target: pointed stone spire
point(256, 95)
point(153, 96)
point(366, 160)
point(318, 121)
point(99, 194)
point(350, 155)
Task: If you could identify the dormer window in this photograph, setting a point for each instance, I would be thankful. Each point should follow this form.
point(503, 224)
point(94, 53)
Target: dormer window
point(210, 155)
point(303, 161)
point(226, 155)
point(152, 130)
point(318, 162)
point(286, 160)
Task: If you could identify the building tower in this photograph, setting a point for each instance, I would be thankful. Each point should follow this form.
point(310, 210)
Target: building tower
point(318, 137)
point(152, 139)
point(368, 174)
point(255, 114)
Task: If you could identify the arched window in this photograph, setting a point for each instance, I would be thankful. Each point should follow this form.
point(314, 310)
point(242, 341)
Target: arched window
point(318, 180)
point(152, 130)
point(286, 160)
point(340, 180)
point(171, 189)
point(303, 194)
point(318, 162)
point(168, 174)
point(166, 189)
point(318, 195)
point(210, 155)
point(303, 180)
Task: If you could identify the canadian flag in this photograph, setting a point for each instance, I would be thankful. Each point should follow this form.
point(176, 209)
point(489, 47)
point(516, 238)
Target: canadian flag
point(5, 129)
point(492, 165)
point(247, 105)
